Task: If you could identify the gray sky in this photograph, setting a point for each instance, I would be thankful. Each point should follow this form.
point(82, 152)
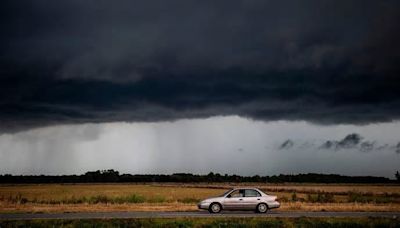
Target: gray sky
point(229, 144)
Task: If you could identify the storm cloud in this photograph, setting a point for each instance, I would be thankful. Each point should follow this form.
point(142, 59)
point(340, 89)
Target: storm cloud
point(351, 141)
point(92, 61)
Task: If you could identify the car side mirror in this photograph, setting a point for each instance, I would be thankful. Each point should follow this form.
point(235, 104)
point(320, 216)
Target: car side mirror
point(228, 196)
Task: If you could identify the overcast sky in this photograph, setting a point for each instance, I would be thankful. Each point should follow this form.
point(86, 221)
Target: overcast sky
point(199, 86)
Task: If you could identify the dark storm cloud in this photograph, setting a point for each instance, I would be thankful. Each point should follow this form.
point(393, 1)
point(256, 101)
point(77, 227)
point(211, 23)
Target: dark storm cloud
point(99, 61)
point(286, 145)
point(398, 148)
point(351, 141)
point(367, 146)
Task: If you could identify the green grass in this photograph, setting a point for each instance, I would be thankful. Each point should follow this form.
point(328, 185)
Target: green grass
point(211, 222)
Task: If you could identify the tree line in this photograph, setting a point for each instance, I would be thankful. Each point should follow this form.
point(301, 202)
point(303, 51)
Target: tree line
point(112, 176)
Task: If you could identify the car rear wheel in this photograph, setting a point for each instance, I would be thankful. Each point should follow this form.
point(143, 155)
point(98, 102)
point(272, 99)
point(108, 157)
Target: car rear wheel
point(262, 208)
point(215, 208)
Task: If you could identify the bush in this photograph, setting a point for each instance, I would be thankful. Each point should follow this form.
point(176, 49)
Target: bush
point(134, 199)
point(98, 199)
point(294, 196)
point(283, 199)
point(360, 198)
point(189, 200)
point(157, 199)
point(320, 198)
point(18, 199)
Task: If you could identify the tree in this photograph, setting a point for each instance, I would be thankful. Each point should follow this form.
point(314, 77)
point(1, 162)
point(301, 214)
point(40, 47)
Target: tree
point(397, 176)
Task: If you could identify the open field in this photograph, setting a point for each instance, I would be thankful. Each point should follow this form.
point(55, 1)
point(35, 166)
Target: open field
point(183, 197)
point(209, 222)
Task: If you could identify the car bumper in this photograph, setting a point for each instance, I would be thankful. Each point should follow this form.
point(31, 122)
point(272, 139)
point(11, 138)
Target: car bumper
point(275, 204)
point(204, 206)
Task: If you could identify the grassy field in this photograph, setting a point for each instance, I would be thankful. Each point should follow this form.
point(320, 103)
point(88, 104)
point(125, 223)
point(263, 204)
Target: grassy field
point(183, 197)
point(211, 222)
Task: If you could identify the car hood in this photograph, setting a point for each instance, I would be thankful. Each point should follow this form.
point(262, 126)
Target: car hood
point(212, 199)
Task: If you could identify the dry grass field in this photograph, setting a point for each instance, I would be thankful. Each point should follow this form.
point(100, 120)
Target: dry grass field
point(39, 198)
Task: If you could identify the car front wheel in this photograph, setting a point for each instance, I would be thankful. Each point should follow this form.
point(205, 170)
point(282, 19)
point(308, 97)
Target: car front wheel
point(262, 208)
point(215, 208)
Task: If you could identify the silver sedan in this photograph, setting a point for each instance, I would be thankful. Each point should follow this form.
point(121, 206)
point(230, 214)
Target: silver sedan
point(240, 199)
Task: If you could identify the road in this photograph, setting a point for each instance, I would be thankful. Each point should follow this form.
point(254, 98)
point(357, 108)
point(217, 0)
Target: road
point(199, 214)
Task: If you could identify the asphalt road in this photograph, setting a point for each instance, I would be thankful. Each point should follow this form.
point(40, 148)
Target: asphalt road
point(199, 214)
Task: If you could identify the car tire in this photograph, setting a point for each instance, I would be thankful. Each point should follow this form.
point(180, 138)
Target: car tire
point(215, 208)
point(262, 208)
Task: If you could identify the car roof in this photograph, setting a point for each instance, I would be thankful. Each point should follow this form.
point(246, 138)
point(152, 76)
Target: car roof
point(243, 188)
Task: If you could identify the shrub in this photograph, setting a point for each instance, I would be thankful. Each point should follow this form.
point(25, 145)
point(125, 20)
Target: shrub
point(98, 199)
point(360, 198)
point(320, 198)
point(283, 199)
point(157, 199)
point(294, 196)
point(134, 199)
point(189, 200)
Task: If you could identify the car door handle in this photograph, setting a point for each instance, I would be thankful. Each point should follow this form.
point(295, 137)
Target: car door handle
point(258, 199)
point(240, 199)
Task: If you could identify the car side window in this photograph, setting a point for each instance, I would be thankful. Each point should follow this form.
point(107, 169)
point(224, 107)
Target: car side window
point(237, 194)
point(251, 193)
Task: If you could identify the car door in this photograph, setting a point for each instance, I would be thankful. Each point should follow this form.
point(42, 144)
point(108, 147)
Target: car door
point(234, 200)
point(251, 199)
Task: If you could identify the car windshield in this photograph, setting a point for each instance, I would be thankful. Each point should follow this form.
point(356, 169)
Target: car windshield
point(226, 192)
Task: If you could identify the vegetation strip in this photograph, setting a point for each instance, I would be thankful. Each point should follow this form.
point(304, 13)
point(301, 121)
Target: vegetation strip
point(209, 222)
point(112, 176)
